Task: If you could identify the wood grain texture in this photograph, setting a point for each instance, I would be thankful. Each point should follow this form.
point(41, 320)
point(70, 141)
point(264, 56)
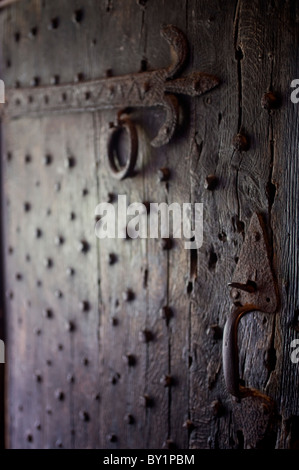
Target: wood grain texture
point(69, 383)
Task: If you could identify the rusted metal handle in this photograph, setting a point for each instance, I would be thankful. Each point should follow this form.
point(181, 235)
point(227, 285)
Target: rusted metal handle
point(117, 171)
point(230, 351)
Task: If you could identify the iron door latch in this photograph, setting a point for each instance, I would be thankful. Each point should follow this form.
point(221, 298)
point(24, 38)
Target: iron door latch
point(255, 290)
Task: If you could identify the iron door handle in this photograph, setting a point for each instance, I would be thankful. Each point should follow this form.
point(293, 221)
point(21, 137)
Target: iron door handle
point(230, 351)
point(255, 290)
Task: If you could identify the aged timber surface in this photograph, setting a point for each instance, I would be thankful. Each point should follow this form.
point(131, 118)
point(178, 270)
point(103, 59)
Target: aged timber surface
point(91, 360)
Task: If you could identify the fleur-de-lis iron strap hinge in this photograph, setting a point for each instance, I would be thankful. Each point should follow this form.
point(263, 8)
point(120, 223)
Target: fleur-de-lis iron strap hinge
point(144, 89)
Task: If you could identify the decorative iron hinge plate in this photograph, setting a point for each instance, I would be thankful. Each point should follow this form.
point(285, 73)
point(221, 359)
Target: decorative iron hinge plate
point(144, 89)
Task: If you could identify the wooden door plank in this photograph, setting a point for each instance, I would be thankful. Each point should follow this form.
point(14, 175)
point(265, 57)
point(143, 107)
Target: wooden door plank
point(283, 139)
point(123, 416)
point(215, 122)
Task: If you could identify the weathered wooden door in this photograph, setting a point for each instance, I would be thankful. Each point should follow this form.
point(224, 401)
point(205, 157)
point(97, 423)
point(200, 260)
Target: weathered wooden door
point(117, 343)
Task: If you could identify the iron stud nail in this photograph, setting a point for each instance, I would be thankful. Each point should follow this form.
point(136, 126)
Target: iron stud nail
point(270, 101)
point(164, 174)
point(217, 408)
point(166, 313)
point(166, 244)
point(70, 326)
point(47, 159)
point(111, 197)
point(70, 271)
point(29, 436)
point(235, 294)
point(215, 331)
point(112, 258)
point(70, 162)
point(48, 313)
point(70, 378)
point(55, 79)
point(48, 263)
point(112, 438)
point(33, 32)
point(59, 394)
point(169, 444)
point(35, 81)
point(167, 380)
point(240, 142)
point(54, 23)
point(188, 424)
point(128, 295)
point(9, 295)
point(38, 376)
point(211, 182)
point(83, 246)
point(146, 336)
point(79, 77)
point(58, 443)
point(84, 306)
point(115, 378)
point(129, 419)
point(146, 401)
point(37, 425)
point(130, 359)
point(78, 16)
point(27, 206)
point(84, 416)
point(58, 294)
point(59, 240)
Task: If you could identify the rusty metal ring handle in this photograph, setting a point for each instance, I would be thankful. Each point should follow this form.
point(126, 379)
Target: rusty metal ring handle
point(117, 171)
point(230, 352)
